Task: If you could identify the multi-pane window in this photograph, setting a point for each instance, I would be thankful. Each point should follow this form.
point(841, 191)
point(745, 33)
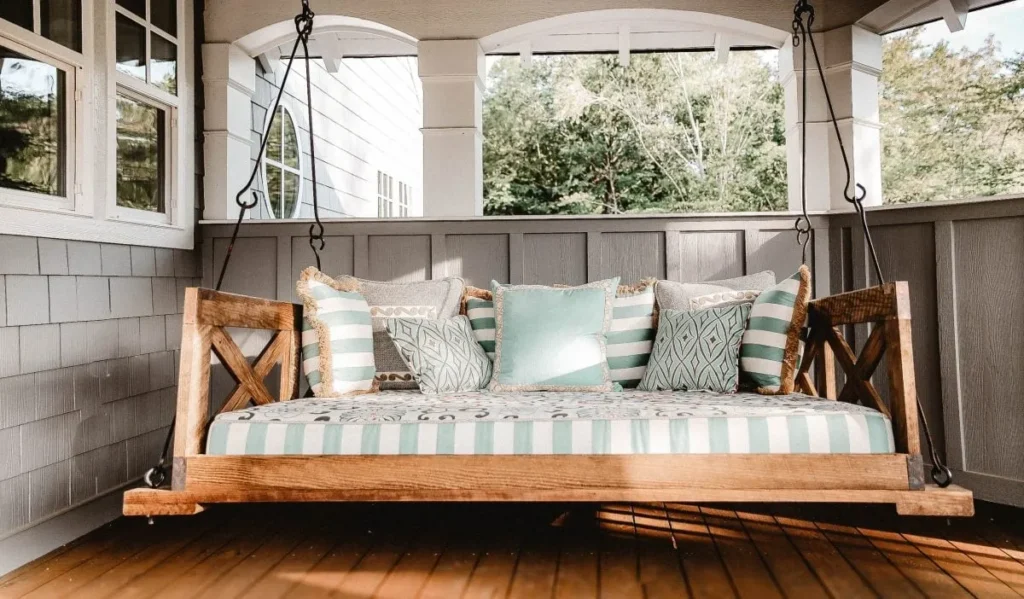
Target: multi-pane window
point(404, 198)
point(283, 166)
point(147, 43)
point(388, 205)
point(146, 58)
point(37, 116)
point(385, 195)
point(56, 20)
point(141, 154)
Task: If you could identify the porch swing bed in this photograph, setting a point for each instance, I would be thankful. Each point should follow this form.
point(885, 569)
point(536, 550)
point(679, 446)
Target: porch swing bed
point(820, 444)
point(628, 446)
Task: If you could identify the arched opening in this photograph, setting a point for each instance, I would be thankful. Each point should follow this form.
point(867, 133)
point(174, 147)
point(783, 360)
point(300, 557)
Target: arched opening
point(365, 117)
point(647, 29)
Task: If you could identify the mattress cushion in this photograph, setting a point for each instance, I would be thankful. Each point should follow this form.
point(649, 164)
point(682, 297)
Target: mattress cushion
point(587, 423)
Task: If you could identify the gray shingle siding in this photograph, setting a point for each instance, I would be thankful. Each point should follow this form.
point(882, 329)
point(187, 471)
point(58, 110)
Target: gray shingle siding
point(88, 364)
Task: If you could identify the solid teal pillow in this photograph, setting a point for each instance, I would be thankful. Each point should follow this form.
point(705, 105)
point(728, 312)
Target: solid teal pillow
point(552, 339)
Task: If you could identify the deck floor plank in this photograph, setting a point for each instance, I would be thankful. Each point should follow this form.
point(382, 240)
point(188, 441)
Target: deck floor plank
point(661, 573)
point(706, 574)
point(750, 576)
point(619, 572)
point(39, 572)
point(831, 567)
point(973, 576)
point(70, 582)
point(791, 572)
point(537, 566)
point(399, 551)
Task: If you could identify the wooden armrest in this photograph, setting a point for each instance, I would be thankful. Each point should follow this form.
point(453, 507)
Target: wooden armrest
point(206, 314)
point(219, 309)
point(875, 304)
point(887, 307)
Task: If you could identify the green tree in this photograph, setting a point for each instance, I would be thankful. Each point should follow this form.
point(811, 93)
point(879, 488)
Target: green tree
point(953, 121)
point(670, 133)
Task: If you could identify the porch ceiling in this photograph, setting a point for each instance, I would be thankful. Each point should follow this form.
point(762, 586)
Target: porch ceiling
point(229, 20)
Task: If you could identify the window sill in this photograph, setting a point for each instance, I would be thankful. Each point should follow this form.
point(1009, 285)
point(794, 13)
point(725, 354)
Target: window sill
point(65, 224)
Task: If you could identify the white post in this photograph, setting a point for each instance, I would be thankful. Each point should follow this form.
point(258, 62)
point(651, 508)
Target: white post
point(453, 74)
point(229, 81)
point(852, 61)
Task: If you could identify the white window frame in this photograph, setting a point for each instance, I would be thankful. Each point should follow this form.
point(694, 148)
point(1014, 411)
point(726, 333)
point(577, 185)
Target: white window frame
point(170, 161)
point(151, 95)
point(404, 199)
point(7, 27)
point(76, 164)
point(385, 195)
point(286, 111)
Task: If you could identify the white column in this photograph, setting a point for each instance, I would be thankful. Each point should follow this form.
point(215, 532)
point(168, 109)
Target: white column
point(229, 81)
point(852, 61)
point(453, 74)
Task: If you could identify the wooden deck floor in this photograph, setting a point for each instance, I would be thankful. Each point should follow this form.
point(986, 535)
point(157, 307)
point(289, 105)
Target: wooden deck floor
point(445, 551)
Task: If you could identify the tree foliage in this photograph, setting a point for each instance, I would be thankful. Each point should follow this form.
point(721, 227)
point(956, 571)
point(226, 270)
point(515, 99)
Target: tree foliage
point(670, 133)
point(682, 133)
point(953, 121)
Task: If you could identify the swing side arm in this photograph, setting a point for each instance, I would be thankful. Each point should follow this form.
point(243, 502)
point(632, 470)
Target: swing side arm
point(886, 308)
point(206, 314)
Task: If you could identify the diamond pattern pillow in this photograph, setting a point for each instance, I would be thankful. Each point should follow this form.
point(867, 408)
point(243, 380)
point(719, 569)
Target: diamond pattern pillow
point(697, 350)
point(443, 355)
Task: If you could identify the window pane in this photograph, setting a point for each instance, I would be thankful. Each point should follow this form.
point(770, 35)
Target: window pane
point(62, 22)
point(291, 144)
point(140, 155)
point(32, 126)
point(291, 194)
point(131, 47)
point(274, 189)
point(163, 71)
point(164, 14)
point(274, 138)
point(136, 6)
point(18, 12)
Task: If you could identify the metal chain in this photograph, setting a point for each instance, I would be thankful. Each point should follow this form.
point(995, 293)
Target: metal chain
point(157, 475)
point(803, 19)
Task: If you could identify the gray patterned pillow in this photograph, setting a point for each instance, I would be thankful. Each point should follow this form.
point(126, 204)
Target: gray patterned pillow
point(697, 350)
point(439, 299)
point(443, 355)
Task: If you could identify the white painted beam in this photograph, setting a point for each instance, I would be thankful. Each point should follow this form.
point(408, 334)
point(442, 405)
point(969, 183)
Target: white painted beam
point(954, 13)
point(526, 54)
point(722, 48)
point(624, 45)
point(331, 52)
point(267, 62)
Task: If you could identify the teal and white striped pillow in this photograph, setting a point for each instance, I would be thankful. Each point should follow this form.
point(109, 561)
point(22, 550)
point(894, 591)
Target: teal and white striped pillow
point(632, 333)
point(772, 345)
point(481, 318)
point(629, 340)
point(337, 337)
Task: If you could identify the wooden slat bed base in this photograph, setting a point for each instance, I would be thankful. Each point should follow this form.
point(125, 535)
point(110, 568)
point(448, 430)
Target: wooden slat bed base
point(543, 475)
point(930, 501)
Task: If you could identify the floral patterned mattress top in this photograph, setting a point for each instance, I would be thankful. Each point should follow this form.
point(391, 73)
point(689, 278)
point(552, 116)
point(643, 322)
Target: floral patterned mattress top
point(485, 406)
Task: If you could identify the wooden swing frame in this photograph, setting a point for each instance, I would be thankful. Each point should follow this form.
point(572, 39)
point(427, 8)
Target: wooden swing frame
point(897, 478)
